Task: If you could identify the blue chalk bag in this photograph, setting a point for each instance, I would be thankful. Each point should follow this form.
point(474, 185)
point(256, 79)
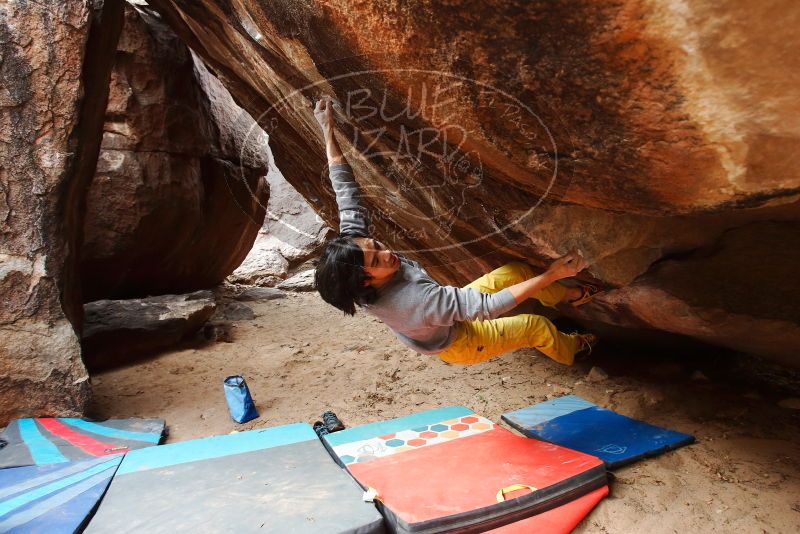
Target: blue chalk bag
point(240, 403)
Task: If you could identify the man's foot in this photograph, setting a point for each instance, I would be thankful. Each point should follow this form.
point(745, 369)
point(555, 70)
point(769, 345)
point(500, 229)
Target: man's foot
point(332, 423)
point(587, 293)
point(320, 428)
point(586, 342)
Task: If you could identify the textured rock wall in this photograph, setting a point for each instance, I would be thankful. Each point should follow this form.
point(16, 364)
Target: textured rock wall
point(170, 208)
point(292, 234)
point(116, 332)
point(654, 136)
point(54, 89)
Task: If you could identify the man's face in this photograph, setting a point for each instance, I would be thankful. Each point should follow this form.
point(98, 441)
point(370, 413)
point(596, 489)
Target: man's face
point(379, 262)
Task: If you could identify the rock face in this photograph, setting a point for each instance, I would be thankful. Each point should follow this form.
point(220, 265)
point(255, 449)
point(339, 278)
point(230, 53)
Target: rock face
point(302, 281)
point(260, 293)
point(54, 90)
point(655, 137)
point(234, 311)
point(117, 330)
point(177, 198)
point(292, 233)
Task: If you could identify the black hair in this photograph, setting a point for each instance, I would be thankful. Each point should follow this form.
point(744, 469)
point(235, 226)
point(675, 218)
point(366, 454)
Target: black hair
point(340, 275)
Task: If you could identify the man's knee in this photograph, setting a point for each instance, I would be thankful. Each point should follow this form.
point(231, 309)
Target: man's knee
point(520, 270)
point(537, 325)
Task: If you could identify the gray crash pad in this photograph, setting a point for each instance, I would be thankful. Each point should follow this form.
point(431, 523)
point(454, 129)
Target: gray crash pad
point(278, 479)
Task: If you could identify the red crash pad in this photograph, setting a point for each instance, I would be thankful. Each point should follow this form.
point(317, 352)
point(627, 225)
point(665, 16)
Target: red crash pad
point(561, 520)
point(474, 468)
point(440, 471)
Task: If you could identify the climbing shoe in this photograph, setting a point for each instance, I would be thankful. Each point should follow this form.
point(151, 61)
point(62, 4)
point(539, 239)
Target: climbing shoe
point(588, 292)
point(332, 423)
point(320, 428)
point(587, 342)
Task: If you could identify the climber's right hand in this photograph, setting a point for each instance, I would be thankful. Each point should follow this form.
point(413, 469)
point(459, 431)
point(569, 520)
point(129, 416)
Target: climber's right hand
point(323, 112)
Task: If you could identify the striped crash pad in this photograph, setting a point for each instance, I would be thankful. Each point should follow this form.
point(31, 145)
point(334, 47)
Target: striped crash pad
point(47, 440)
point(53, 499)
point(576, 423)
point(278, 479)
point(443, 471)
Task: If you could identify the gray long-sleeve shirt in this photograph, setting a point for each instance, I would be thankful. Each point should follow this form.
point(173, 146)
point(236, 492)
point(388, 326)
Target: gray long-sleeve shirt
point(421, 312)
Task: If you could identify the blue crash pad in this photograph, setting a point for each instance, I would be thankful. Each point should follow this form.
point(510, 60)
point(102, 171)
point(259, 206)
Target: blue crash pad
point(53, 499)
point(578, 424)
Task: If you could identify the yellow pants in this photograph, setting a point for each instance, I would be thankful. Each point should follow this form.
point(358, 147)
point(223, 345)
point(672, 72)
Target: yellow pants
point(478, 341)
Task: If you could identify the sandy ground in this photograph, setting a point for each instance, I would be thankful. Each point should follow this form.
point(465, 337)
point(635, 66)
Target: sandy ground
point(301, 357)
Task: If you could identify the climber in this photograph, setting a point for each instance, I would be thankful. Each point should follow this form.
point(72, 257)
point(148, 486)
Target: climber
point(460, 325)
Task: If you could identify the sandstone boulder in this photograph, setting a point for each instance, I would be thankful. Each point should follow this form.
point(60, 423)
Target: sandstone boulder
point(53, 97)
point(292, 234)
point(655, 137)
point(260, 293)
point(118, 330)
point(302, 281)
point(179, 190)
point(233, 311)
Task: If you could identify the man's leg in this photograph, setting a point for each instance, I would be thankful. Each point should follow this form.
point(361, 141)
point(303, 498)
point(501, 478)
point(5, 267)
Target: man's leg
point(514, 273)
point(478, 341)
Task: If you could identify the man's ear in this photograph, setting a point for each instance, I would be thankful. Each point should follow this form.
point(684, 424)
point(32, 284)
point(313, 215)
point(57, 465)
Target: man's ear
point(367, 280)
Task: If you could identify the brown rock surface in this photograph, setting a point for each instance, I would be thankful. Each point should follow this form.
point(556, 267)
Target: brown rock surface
point(53, 95)
point(170, 208)
point(292, 233)
point(116, 331)
point(653, 136)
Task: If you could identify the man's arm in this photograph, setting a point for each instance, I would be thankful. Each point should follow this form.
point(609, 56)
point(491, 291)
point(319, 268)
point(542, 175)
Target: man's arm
point(353, 216)
point(564, 267)
point(446, 305)
point(332, 149)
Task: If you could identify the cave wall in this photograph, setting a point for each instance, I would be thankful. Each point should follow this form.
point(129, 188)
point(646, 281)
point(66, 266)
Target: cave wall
point(175, 204)
point(654, 136)
point(54, 90)
point(180, 190)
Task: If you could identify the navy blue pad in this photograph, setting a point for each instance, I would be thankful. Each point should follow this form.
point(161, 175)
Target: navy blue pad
point(578, 424)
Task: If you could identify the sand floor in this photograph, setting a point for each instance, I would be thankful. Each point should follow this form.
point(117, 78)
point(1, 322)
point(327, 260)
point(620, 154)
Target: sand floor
point(301, 357)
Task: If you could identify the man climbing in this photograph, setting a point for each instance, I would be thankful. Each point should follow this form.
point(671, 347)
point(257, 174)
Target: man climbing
point(460, 325)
